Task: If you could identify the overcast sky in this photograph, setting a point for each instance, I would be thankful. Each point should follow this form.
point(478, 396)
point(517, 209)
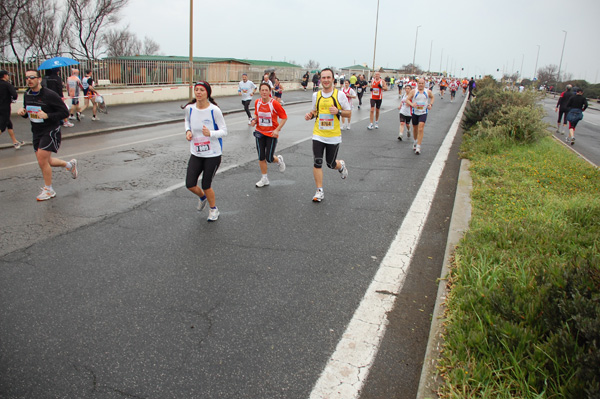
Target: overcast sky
point(477, 35)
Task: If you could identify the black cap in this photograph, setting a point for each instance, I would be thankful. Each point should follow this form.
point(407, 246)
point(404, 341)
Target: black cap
point(3, 73)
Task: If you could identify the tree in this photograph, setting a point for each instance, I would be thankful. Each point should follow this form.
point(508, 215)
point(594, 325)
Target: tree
point(88, 19)
point(408, 68)
point(547, 74)
point(150, 46)
point(123, 43)
point(312, 64)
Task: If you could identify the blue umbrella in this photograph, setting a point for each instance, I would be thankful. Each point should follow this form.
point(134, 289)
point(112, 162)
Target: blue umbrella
point(57, 62)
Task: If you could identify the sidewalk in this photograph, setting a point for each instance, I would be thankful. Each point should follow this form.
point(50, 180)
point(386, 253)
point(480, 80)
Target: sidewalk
point(130, 116)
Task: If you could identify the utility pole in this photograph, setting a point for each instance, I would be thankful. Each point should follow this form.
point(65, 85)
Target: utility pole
point(375, 45)
point(430, 49)
point(414, 52)
point(561, 56)
point(536, 61)
point(191, 72)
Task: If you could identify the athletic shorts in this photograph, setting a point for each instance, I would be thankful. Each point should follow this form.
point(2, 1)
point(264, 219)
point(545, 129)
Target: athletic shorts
point(87, 93)
point(49, 141)
point(75, 101)
point(404, 118)
point(330, 150)
point(416, 119)
point(375, 103)
point(205, 166)
point(5, 122)
point(265, 146)
point(442, 88)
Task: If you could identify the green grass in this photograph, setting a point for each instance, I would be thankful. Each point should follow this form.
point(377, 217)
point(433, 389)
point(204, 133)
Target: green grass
point(523, 312)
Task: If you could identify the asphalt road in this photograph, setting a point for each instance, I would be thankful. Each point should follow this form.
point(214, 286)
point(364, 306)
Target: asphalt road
point(119, 288)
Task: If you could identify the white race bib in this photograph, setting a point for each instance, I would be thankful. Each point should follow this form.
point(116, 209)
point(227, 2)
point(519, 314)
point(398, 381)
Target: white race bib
point(326, 122)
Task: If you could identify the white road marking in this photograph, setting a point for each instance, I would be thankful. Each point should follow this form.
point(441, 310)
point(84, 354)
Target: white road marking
point(349, 366)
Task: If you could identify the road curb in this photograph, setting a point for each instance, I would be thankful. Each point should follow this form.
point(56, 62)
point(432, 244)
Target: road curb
point(459, 224)
point(136, 126)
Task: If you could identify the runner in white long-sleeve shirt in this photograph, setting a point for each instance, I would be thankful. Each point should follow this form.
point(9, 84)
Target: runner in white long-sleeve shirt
point(204, 129)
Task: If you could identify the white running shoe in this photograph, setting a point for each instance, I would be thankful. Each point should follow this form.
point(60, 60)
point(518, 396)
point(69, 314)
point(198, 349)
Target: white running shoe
point(202, 204)
point(281, 164)
point(68, 124)
point(71, 118)
point(343, 170)
point(73, 169)
point(249, 121)
point(264, 181)
point(400, 136)
point(414, 145)
point(348, 127)
point(370, 127)
point(46, 194)
point(18, 144)
point(376, 125)
point(319, 196)
point(213, 214)
point(418, 150)
point(95, 118)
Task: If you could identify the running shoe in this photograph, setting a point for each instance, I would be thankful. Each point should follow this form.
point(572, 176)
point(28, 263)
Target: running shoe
point(348, 127)
point(73, 169)
point(370, 127)
point(400, 136)
point(568, 139)
point(319, 196)
point(573, 140)
point(95, 118)
point(414, 145)
point(359, 107)
point(408, 133)
point(343, 127)
point(376, 125)
point(78, 116)
point(249, 121)
point(202, 204)
point(343, 170)
point(262, 182)
point(18, 144)
point(418, 150)
point(68, 124)
point(281, 164)
point(71, 118)
point(46, 194)
point(213, 214)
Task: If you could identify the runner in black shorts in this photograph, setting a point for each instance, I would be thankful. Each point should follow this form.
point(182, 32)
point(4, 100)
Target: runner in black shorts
point(45, 110)
point(561, 108)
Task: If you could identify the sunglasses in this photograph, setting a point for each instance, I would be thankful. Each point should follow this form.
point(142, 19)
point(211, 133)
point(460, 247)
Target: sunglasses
point(31, 77)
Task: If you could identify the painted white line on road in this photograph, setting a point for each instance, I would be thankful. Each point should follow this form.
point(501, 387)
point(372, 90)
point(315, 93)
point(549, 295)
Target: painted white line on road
point(95, 150)
point(349, 366)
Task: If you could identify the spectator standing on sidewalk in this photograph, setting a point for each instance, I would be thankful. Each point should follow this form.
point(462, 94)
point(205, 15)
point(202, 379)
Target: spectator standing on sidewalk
point(45, 110)
point(8, 95)
point(246, 89)
point(204, 129)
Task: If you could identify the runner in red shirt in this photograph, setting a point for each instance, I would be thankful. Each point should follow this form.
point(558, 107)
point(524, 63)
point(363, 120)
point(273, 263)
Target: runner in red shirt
point(266, 111)
point(378, 86)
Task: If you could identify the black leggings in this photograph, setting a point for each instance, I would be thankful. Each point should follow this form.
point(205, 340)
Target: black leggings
point(246, 104)
point(360, 96)
point(319, 148)
point(197, 165)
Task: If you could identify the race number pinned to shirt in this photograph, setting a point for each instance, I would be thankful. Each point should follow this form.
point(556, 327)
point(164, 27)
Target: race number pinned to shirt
point(376, 91)
point(265, 119)
point(202, 144)
point(32, 111)
point(326, 121)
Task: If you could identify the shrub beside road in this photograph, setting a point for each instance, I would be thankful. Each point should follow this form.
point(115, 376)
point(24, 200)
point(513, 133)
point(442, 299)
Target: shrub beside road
point(523, 312)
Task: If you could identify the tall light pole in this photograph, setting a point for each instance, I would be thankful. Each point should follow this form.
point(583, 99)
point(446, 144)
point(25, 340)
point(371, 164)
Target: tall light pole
point(191, 72)
point(415, 52)
point(375, 45)
point(441, 58)
point(429, 67)
point(561, 56)
point(536, 62)
point(521, 70)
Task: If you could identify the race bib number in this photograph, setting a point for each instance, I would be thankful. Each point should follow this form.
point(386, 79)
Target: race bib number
point(376, 92)
point(265, 119)
point(32, 111)
point(420, 107)
point(202, 144)
point(359, 89)
point(326, 121)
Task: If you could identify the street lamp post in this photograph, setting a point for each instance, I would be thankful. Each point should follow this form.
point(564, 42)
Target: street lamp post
point(375, 45)
point(430, 49)
point(536, 61)
point(561, 56)
point(191, 72)
point(415, 52)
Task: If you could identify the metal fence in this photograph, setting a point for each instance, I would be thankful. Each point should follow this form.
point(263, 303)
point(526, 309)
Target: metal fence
point(116, 72)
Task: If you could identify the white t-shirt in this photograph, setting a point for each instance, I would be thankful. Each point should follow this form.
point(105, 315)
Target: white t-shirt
point(350, 93)
point(343, 102)
point(405, 109)
point(246, 89)
point(200, 145)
